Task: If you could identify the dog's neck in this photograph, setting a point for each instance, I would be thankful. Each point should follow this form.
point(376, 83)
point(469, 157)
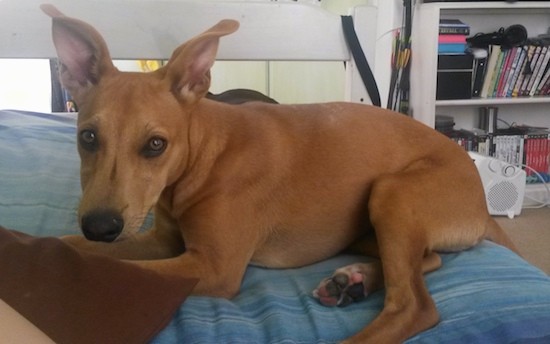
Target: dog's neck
point(210, 128)
point(208, 131)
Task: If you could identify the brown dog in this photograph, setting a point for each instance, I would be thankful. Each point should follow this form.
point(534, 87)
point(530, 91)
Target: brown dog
point(275, 185)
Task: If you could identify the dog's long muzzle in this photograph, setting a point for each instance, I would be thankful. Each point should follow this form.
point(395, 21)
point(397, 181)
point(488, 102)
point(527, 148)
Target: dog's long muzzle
point(102, 225)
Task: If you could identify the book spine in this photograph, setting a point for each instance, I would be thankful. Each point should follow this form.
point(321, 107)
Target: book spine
point(494, 52)
point(498, 72)
point(517, 72)
point(457, 30)
point(527, 153)
point(528, 53)
point(451, 48)
point(461, 39)
point(531, 149)
point(505, 71)
point(546, 87)
point(540, 72)
point(510, 70)
point(536, 71)
point(523, 91)
point(521, 158)
point(543, 82)
point(538, 154)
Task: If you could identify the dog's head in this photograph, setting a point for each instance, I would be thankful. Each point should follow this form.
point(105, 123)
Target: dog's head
point(132, 127)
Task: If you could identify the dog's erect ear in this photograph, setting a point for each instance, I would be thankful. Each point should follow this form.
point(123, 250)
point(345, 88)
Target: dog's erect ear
point(81, 50)
point(188, 70)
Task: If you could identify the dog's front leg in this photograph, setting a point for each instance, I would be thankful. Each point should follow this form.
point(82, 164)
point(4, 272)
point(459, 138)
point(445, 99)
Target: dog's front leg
point(218, 277)
point(151, 244)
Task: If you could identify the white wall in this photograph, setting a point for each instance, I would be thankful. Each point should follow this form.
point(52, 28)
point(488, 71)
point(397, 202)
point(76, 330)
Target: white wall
point(305, 82)
point(286, 81)
point(25, 84)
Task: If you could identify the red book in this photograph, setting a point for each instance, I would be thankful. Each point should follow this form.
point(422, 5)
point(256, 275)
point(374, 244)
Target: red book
point(452, 39)
point(528, 151)
point(546, 155)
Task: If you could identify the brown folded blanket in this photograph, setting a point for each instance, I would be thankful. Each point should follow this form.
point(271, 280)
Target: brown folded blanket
point(77, 297)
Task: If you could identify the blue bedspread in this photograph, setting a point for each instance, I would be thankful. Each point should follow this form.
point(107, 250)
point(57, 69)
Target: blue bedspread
point(39, 178)
point(484, 295)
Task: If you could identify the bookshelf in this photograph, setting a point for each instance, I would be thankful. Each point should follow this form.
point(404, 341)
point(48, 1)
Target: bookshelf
point(481, 16)
point(493, 102)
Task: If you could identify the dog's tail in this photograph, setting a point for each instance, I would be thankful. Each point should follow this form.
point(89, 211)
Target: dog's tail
point(496, 234)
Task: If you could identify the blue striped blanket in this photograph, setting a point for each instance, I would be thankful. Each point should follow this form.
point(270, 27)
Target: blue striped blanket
point(484, 295)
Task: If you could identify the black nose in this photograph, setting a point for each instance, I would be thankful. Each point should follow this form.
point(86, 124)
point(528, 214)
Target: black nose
point(102, 225)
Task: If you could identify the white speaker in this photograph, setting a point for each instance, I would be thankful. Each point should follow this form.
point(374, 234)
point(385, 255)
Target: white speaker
point(504, 185)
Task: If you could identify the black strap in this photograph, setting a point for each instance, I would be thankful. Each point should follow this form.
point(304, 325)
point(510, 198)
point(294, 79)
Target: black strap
point(360, 60)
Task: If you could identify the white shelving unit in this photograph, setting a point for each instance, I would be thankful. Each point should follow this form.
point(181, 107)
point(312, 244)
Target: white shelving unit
point(483, 17)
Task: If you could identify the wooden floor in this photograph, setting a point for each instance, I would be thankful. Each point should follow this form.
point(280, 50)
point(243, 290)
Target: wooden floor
point(530, 231)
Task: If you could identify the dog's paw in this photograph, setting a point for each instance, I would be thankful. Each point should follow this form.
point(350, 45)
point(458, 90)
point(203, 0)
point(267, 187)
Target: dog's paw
point(341, 289)
point(350, 284)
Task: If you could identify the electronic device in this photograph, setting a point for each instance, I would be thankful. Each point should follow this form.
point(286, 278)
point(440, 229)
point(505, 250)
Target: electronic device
point(513, 36)
point(454, 76)
point(504, 185)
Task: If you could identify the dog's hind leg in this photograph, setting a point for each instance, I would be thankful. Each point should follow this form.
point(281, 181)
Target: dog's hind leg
point(412, 217)
point(403, 244)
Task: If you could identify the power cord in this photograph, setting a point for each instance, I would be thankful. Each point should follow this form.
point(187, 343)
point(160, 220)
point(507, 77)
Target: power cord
point(544, 203)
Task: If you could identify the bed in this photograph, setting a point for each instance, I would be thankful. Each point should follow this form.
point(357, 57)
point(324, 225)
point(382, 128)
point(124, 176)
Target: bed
point(484, 295)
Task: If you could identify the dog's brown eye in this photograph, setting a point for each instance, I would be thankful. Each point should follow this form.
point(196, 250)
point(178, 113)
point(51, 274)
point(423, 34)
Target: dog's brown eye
point(88, 140)
point(154, 147)
point(156, 144)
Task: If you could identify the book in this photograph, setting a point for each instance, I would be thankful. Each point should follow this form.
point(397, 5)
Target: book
point(531, 148)
point(529, 73)
point(452, 39)
point(544, 83)
point(536, 152)
point(505, 71)
point(541, 71)
point(514, 72)
point(497, 74)
point(508, 148)
point(511, 73)
point(453, 27)
point(451, 48)
point(452, 36)
point(529, 49)
point(517, 71)
point(490, 69)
